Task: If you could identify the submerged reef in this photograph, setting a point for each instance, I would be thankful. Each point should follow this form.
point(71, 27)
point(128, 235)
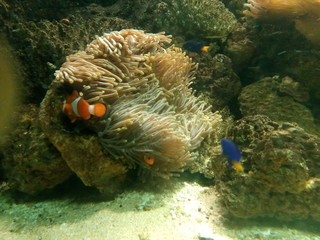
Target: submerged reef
point(30, 162)
point(44, 39)
point(281, 177)
point(197, 18)
point(282, 100)
point(216, 79)
point(81, 152)
point(302, 66)
point(190, 18)
point(305, 14)
point(152, 112)
point(156, 125)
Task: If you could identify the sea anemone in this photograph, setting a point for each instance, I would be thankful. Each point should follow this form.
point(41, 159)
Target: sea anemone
point(146, 126)
point(112, 65)
point(154, 120)
point(274, 8)
point(305, 14)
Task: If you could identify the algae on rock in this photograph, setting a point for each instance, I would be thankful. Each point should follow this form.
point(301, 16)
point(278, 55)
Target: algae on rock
point(281, 177)
point(276, 100)
point(30, 162)
point(191, 18)
point(43, 41)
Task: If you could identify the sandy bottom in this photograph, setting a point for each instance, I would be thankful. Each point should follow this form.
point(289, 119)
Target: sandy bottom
point(183, 211)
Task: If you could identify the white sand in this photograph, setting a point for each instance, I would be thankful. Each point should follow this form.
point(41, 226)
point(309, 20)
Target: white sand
point(186, 212)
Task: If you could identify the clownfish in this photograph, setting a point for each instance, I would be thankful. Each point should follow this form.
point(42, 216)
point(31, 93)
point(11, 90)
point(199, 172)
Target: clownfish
point(149, 160)
point(78, 108)
point(231, 150)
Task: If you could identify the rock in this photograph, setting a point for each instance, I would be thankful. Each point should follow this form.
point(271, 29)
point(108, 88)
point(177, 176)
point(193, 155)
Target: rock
point(82, 152)
point(207, 18)
point(281, 176)
point(30, 162)
point(216, 79)
point(266, 97)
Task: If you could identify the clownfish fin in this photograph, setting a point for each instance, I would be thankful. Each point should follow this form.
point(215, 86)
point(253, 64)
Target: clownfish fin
point(73, 119)
point(98, 109)
point(74, 95)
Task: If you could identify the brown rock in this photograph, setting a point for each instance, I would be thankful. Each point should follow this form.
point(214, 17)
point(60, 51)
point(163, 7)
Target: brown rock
point(83, 153)
point(281, 177)
point(30, 162)
point(269, 96)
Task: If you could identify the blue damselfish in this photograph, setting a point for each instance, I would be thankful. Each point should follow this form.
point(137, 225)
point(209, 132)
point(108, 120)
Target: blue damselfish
point(195, 45)
point(231, 150)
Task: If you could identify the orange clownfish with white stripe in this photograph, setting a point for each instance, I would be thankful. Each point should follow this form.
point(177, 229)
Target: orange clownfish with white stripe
point(78, 108)
point(149, 160)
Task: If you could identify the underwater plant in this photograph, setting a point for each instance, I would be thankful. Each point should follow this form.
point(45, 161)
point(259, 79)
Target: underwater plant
point(153, 120)
point(304, 13)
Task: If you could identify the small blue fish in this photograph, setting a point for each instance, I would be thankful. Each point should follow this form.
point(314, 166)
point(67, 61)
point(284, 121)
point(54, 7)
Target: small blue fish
point(195, 45)
point(231, 150)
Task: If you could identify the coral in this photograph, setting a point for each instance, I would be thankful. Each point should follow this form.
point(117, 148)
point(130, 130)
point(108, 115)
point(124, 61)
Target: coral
point(239, 48)
point(275, 8)
point(152, 112)
point(305, 14)
point(30, 162)
point(235, 6)
point(216, 79)
point(42, 42)
point(269, 96)
point(190, 18)
point(281, 177)
point(197, 18)
point(293, 89)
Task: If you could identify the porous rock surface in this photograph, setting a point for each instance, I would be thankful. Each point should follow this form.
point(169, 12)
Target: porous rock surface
point(281, 102)
point(281, 171)
point(82, 152)
point(30, 162)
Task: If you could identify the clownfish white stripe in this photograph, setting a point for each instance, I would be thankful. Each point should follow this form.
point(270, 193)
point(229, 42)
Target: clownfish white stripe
point(74, 106)
point(91, 109)
point(64, 106)
point(78, 108)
